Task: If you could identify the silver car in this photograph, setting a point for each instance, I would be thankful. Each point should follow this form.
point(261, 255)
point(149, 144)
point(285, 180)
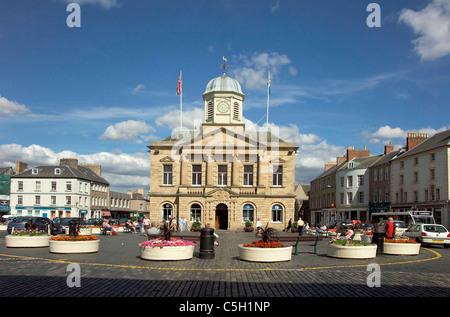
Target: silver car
point(429, 234)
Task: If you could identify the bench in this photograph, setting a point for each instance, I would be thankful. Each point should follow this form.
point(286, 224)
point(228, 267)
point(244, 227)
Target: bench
point(312, 240)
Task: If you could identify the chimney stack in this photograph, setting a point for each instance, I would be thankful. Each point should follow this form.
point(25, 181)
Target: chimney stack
point(388, 148)
point(352, 153)
point(329, 165)
point(71, 162)
point(414, 139)
point(21, 167)
point(96, 168)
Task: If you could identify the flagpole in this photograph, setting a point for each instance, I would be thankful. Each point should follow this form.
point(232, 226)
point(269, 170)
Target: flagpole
point(268, 94)
point(181, 102)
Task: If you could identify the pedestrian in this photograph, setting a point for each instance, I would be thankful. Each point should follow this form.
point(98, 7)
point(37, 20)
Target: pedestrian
point(300, 225)
point(289, 226)
point(146, 224)
point(390, 229)
point(258, 225)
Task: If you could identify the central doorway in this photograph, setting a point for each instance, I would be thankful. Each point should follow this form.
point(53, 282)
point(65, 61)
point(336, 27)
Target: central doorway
point(221, 216)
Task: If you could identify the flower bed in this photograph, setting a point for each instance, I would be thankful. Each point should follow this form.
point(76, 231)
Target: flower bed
point(74, 244)
point(167, 250)
point(27, 241)
point(351, 249)
point(402, 246)
point(259, 251)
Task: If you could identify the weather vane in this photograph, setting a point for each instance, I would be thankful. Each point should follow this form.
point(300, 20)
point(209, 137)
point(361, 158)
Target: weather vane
point(224, 65)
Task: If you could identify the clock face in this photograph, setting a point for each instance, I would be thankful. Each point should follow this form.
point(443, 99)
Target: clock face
point(223, 107)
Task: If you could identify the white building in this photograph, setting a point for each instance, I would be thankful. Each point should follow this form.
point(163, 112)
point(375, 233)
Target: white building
point(50, 191)
point(352, 189)
point(420, 178)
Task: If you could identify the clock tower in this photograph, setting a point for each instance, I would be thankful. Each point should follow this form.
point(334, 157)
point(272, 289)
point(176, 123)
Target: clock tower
point(223, 101)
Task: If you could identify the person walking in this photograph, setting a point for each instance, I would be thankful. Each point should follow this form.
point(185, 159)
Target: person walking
point(300, 224)
point(146, 224)
point(390, 228)
point(289, 226)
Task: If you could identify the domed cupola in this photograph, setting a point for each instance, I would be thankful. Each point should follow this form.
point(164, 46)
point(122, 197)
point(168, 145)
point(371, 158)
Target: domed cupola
point(223, 98)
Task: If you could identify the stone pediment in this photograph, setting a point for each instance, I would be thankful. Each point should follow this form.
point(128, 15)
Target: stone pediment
point(167, 159)
point(277, 160)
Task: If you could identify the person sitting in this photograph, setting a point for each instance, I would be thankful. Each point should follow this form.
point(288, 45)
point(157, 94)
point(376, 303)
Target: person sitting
point(153, 231)
point(130, 226)
point(107, 227)
point(347, 235)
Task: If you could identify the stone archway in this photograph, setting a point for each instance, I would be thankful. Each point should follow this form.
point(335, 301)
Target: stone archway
point(222, 216)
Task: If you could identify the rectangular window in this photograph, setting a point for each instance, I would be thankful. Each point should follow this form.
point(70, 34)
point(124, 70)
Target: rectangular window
point(37, 200)
point(349, 198)
point(53, 200)
point(38, 186)
point(349, 181)
point(20, 200)
point(68, 200)
point(69, 186)
point(416, 177)
point(361, 197)
point(432, 174)
point(360, 180)
point(167, 174)
point(53, 189)
point(222, 175)
point(248, 175)
point(342, 198)
point(20, 185)
point(277, 175)
point(196, 175)
point(342, 181)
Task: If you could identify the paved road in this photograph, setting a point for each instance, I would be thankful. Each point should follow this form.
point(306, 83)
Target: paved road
point(117, 271)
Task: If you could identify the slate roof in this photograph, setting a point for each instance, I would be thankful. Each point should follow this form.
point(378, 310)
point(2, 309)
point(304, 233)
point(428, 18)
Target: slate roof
point(436, 141)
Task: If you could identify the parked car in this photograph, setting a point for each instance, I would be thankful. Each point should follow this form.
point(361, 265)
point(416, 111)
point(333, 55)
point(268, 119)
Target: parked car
point(400, 226)
point(368, 226)
point(332, 224)
point(94, 222)
point(42, 224)
point(429, 234)
point(65, 222)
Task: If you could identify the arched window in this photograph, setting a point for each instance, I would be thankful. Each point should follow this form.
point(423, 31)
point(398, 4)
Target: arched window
point(167, 212)
point(196, 213)
point(248, 213)
point(277, 213)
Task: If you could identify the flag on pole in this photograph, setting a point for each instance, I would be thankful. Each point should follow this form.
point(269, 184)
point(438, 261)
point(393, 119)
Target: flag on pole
point(179, 85)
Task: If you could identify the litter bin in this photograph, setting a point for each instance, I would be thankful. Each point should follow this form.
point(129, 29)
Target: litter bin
point(206, 243)
point(378, 239)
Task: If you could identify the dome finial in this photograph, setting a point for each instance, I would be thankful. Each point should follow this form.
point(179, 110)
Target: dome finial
point(224, 65)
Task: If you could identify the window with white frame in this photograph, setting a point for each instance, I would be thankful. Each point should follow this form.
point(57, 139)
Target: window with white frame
point(53, 189)
point(167, 174)
point(196, 175)
point(277, 175)
point(360, 180)
point(37, 200)
point(277, 213)
point(361, 197)
point(196, 213)
point(248, 213)
point(222, 175)
point(349, 198)
point(248, 175)
point(167, 212)
point(53, 200)
point(350, 181)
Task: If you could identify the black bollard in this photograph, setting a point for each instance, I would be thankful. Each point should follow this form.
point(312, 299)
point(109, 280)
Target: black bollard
point(378, 239)
point(206, 243)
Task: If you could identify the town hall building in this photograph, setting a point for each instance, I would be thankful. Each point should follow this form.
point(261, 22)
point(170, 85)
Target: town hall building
point(223, 174)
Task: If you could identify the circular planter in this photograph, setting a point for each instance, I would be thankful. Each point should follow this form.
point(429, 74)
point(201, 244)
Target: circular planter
point(13, 241)
point(74, 246)
point(352, 252)
point(174, 253)
point(3, 227)
point(95, 230)
point(366, 238)
point(401, 248)
point(357, 236)
point(265, 254)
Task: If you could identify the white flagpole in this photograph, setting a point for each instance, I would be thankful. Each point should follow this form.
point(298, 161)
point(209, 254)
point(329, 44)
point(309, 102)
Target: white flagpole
point(268, 94)
point(181, 102)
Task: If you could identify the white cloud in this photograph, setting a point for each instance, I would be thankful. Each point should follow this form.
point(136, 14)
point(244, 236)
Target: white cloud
point(275, 7)
point(11, 108)
point(254, 72)
point(138, 88)
point(123, 171)
point(131, 130)
point(107, 4)
point(386, 133)
point(432, 24)
point(192, 119)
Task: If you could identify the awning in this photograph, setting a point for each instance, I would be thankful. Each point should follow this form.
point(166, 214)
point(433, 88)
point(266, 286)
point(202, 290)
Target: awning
point(106, 214)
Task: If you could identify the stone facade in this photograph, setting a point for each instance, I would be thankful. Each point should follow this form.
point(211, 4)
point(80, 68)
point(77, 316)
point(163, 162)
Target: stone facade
point(223, 174)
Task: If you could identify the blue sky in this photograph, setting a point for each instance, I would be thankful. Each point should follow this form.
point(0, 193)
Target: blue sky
point(102, 92)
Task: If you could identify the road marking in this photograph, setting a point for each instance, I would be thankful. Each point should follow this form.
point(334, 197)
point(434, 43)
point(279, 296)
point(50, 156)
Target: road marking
point(438, 255)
